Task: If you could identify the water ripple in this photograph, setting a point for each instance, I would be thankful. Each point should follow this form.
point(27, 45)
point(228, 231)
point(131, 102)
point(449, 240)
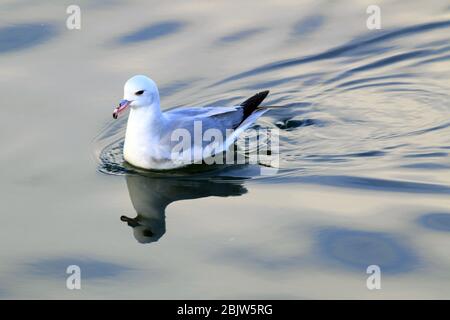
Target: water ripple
point(339, 51)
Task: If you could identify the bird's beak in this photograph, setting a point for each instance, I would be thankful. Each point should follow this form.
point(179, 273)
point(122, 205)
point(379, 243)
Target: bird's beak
point(130, 221)
point(120, 108)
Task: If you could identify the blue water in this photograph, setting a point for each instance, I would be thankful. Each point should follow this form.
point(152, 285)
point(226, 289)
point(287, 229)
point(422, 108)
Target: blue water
point(364, 165)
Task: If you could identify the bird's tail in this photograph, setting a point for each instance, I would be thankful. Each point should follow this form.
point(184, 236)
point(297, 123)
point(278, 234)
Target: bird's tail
point(252, 103)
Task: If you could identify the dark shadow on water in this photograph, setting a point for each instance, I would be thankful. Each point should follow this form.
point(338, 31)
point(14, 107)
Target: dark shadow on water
point(366, 183)
point(427, 155)
point(362, 53)
point(152, 32)
point(90, 268)
point(357, 250)
point(344, 156)
point(291, 124)
point(240, 35)
point(307, 25)
point(24, 36)
point(150, 197)
point(426, 166)
point(439, 221)
point(381, 184)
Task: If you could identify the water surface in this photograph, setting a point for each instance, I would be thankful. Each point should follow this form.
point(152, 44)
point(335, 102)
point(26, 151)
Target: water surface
point(364, 151)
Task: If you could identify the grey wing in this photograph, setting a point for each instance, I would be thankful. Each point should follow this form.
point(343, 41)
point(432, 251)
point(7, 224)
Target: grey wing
point(187, 122)
point(221, 118)
point(182, 129)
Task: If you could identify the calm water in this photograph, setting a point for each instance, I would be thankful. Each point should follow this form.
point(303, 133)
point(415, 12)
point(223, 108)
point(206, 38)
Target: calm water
point(364, 164)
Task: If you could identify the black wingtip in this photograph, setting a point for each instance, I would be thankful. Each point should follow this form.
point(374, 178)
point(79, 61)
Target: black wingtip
point(265, 93)
point(255, 100)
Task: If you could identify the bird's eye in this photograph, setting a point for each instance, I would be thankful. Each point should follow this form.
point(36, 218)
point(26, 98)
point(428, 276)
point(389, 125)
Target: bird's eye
point(138, 93)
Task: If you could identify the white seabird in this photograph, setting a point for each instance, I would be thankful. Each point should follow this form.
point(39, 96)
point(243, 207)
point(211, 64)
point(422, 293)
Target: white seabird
point(152, 138)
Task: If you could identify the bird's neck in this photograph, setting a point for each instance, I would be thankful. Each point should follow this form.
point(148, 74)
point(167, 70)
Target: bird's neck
point(143, 119)
point(143, 130)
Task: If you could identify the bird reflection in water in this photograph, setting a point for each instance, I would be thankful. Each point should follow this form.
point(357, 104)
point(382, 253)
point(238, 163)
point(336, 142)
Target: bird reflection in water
point(150, 196)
